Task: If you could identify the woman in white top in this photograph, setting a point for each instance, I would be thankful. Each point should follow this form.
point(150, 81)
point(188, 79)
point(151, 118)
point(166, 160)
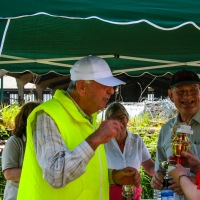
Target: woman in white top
point(127, 151)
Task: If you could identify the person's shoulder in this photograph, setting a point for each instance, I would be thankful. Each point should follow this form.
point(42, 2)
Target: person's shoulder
point(12, 144)
point(14, 139)
point(136, 139)
point(196, 117)
point(133, 135)
point(170, 122)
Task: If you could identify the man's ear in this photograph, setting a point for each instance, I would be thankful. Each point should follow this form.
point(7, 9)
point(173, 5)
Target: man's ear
point(80, 86)
point(170, 94)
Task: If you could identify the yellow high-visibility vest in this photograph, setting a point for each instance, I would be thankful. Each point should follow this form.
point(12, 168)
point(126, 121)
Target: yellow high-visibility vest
point(74, 128)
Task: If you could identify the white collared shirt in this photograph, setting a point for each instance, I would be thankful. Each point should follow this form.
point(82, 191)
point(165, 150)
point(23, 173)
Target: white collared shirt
point(135, 152)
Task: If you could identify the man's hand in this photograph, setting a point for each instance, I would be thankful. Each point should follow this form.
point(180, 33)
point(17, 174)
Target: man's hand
point(126, 176)
point(157, 180)
point(190, 160)
point(175, 187)
point(106, 131)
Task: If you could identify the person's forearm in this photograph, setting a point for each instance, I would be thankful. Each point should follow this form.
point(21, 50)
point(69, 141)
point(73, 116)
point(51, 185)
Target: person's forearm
point(189, 188)
point(12, 174)
point(65, 166)
point(59, 164)
point(93, 141)
point(149, 167)
point(151, 171)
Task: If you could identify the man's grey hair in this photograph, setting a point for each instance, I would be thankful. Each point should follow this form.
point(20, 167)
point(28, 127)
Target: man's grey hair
point(72, 85)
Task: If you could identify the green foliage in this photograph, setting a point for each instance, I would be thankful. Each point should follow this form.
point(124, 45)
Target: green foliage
point(4, 133)
point(147, 191)
point(148, 128)
point(2, 182)
point(8, 114)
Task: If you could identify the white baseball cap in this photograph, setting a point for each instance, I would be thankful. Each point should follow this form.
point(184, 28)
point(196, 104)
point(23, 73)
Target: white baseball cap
point(94, 68)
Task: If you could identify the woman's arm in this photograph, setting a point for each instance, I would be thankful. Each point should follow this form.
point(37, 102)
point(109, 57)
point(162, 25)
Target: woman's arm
point(179, 174)
point(189, 188)
point(149, 167)
point(12, 174)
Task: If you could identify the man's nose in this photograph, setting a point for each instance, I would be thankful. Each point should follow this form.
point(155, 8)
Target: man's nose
point(110, 90)
point(187, 93)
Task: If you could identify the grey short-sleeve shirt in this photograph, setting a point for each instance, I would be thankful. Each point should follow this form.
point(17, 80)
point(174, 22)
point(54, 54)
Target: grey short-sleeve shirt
point(12, 157)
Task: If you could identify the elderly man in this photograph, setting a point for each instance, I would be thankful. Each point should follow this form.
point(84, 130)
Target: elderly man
point(184, 92)
point(65, 156)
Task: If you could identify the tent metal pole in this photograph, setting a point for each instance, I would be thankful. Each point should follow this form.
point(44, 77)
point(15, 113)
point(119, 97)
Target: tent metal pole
point(1, 94)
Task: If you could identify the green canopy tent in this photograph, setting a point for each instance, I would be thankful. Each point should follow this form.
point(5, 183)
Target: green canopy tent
point(135, 37)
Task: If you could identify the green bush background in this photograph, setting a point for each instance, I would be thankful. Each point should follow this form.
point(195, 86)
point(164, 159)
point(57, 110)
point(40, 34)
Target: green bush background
point(148, 128)
point(8, 114)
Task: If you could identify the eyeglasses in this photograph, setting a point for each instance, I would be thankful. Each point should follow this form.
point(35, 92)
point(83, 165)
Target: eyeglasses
point(187, 92)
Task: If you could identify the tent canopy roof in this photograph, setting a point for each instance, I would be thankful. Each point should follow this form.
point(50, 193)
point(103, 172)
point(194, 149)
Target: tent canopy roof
point(168, 13)
point(134, 37)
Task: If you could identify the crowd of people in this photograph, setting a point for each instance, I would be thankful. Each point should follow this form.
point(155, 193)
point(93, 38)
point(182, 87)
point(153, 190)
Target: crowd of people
point(59, 151)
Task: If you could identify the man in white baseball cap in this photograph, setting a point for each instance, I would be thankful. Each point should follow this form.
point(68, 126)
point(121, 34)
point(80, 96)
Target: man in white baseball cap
point(65, 151)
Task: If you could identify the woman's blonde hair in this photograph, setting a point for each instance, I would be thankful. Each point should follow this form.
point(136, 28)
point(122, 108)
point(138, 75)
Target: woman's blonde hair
point(115, 108)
